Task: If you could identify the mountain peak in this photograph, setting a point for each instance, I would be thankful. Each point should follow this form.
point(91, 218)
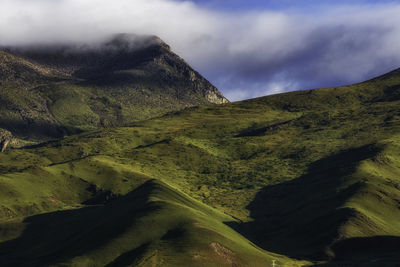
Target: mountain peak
point(132, 42)
point(77, 86)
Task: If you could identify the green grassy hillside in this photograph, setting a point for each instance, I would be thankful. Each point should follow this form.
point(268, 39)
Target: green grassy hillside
point(153, 225)
point(312, 176)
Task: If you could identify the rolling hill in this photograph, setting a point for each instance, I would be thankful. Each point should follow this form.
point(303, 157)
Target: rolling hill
point(296, 179)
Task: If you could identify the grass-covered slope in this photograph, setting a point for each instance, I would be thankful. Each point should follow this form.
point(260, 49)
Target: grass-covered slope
point(52, 90)
point(154, 225)
point(312, 175)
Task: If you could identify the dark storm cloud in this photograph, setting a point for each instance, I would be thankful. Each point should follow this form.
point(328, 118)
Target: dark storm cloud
point(246, 54)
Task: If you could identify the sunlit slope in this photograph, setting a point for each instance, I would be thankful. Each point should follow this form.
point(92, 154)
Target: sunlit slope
point(311, 175)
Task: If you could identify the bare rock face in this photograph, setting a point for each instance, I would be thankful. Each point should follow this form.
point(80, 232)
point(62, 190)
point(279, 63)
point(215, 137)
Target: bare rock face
point(5, 139)
point(215, 96)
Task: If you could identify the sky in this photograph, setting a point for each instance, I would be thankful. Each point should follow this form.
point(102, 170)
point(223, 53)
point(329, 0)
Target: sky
point(304, 5)
point(246, 48)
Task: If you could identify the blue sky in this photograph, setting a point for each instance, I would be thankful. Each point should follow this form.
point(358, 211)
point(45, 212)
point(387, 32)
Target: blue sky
point(343, 48)
point(304, 5)
point(247, 48)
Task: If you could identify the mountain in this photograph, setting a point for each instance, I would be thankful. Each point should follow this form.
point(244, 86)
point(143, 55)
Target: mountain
point(296, 179)
point(53, 90)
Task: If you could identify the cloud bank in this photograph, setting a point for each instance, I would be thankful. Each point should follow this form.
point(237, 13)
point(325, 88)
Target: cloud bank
point(245, 54)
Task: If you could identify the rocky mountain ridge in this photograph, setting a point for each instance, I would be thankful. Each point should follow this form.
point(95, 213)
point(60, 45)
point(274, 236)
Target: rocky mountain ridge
point(53, 90)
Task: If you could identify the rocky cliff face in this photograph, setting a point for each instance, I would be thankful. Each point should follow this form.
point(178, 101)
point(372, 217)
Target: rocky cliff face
point(53, 90)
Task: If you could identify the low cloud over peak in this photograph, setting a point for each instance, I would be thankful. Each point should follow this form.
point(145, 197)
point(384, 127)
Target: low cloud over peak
point(246, 54)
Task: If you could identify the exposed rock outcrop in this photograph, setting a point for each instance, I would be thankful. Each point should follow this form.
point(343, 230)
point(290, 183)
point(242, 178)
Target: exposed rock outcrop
point(5, 139)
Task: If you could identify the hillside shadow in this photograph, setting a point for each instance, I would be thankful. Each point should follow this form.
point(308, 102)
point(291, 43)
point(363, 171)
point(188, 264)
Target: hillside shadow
point(300, 218)
point(258, 130)
point(368, 247)
point(37, 130)
point(390, 94)
point(129, 257)
point(373, 251)
point(52, 237)
point(33, 129)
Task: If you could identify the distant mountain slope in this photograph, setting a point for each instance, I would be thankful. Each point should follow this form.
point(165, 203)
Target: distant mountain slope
point(21, 71)
point(52, 90)
point(311, 175)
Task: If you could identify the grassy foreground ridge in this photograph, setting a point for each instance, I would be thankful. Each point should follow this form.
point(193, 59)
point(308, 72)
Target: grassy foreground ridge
point(302, 178)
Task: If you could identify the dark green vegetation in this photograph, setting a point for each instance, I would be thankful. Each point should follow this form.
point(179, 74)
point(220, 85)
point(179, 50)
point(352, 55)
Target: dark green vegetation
point(309, 177)
point(54, 90)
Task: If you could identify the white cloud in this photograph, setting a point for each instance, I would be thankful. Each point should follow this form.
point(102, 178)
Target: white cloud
point(250, 52)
